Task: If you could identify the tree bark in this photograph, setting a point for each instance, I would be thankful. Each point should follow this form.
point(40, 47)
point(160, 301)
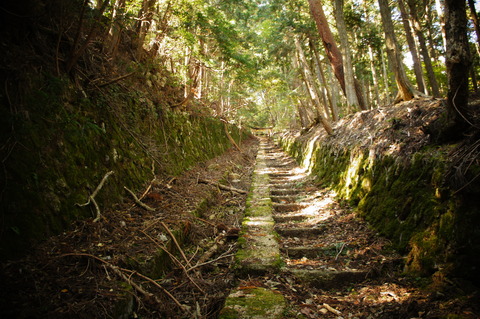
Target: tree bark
point(458, 62)
point(333, 53)
point(417, 66)
point(405, 89)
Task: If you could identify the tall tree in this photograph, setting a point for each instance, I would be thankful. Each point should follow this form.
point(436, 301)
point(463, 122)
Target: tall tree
point(458, 63)
point(347, 65)
point(417, 66)
point(333, 53)
point(414, 9)
point(474, 17)
point(405, 89)
point(310, 83)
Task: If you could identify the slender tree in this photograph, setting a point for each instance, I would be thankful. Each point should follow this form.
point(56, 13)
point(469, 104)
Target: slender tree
point(405, 89)
point(414, 8)
point(333, 53)
point(417, 66)
point(347, 65)
point(310, 83)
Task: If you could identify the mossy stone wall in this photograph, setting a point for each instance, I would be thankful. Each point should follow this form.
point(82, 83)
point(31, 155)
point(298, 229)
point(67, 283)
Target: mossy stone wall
point(404, 198)
point(62, 140)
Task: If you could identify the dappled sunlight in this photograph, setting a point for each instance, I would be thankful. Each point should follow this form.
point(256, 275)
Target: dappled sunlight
point(259, 221)
point(307, 162)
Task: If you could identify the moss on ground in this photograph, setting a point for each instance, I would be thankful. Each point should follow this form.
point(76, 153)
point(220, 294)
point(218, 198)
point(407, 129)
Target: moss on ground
point(254, 303)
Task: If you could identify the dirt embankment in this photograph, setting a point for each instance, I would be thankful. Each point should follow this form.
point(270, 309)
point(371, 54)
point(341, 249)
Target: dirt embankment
point(418, 193)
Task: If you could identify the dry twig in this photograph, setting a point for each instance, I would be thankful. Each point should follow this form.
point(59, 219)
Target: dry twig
point(121, 273)
point(221, 186)
point(176, 244)
point(91, 198)
point(137, 201)
point(175, 260)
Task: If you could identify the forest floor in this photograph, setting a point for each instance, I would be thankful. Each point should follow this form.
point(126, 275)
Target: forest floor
point(116, 268)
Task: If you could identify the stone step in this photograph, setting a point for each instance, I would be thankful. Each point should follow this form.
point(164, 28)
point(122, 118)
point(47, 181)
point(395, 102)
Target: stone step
point(330, 278)
point(284, 185)
point(284, 218)
point(284, 192)
point(283, 199)
point(299, 232)
point(286, 208)
point(284, 175)
point(313, 252)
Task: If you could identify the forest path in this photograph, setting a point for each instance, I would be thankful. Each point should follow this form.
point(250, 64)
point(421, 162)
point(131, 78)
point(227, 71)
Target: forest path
point(325, 261)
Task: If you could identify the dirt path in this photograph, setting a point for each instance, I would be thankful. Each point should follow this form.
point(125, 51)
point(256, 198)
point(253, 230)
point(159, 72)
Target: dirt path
point(334, 266)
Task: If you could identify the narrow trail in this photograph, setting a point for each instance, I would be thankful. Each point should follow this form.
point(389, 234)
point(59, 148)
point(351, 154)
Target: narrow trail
point(325, 261)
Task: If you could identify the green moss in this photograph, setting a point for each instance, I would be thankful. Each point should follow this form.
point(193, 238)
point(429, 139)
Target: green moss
point(65, 143)
point(405, 199)
point(254, 303)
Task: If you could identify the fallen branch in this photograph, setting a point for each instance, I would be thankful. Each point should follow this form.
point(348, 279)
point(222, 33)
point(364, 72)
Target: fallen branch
point(176, 244)
point(219, 241)
point(227, 188)
point(137, 201)
point(331, 309)
point(211, 261)
point(116, 79)
point(91, 198)
point(175, 260)
point(230, 138)
point(121, 273)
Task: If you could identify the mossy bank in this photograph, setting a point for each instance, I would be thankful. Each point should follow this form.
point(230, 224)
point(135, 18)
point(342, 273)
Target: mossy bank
point(382, 162)
point(60, 141)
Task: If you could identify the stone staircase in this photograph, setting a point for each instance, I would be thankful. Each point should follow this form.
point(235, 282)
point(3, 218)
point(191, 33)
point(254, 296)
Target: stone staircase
point(297, 230)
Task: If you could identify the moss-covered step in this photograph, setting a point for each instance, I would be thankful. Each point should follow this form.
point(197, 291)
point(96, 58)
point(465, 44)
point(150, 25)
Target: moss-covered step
point(259, 252)
point(253, 303)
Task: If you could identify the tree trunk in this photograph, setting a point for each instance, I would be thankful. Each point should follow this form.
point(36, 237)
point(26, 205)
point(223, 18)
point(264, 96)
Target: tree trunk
point(115, 30)
point(405, 89)
point(441, 18)
point(333, 53)
point(458, 62)
point(160, 30)
point(347, 66)
point(323, 82)
point(417, 66)
point(145, 16)
point(386, 99)
point(309, 82)
point(423, 48)
point(474, 17)
point(374, 75)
